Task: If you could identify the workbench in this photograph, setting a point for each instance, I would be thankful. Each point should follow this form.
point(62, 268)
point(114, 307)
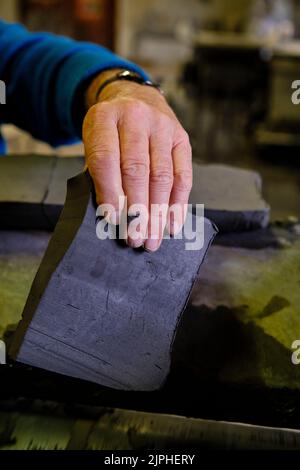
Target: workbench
point(232, 357)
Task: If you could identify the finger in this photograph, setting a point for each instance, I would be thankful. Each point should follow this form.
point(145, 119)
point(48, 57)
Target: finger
point(182, 185)
point(160, 185)
point(101, 141)
point(135, 164)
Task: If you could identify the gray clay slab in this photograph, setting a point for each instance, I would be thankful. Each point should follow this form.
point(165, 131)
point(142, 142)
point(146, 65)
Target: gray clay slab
point(232, 197)
point(101, 311)
point(24, 181)
point(64, 169)
point(25, 178)
point(33, 190)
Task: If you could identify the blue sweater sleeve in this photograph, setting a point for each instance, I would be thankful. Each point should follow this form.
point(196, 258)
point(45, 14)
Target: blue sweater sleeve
point(43, 75)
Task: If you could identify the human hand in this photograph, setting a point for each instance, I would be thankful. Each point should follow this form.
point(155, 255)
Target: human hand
point(135, 146)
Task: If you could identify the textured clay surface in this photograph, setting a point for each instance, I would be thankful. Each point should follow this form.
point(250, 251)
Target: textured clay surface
point(33, 192)
point(232, 197)
point(101, 311)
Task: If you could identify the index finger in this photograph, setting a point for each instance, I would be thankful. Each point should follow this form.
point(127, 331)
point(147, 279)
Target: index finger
point(101, 141)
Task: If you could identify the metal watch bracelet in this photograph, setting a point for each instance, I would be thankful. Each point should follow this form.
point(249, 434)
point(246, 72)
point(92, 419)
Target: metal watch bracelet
point(128, 76)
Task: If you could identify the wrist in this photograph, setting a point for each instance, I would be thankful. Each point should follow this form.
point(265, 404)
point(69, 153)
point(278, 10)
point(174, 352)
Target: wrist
point(114, 82)
point(91, 97)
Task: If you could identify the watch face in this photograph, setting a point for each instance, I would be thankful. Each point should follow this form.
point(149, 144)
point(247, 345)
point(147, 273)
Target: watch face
point(129, 75)
point(125, 73)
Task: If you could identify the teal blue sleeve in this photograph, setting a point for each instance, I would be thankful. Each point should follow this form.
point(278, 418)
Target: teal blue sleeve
point(44, 74)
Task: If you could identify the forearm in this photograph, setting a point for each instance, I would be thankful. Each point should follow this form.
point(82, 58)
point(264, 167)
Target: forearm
point(43, 74)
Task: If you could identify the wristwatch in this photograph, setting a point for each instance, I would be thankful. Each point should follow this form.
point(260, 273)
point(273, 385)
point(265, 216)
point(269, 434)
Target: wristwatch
point(129, 76)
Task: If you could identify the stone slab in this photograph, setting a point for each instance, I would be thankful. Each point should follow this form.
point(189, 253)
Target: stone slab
point(232, 197)
point(24, 182)
point(33, 191)
point(64, 169)
point(101, 311)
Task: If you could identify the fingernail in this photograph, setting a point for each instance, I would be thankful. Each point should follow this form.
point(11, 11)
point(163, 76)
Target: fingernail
point(136, 232)
point(135, 243)
point(135, 239)
point(152, 245)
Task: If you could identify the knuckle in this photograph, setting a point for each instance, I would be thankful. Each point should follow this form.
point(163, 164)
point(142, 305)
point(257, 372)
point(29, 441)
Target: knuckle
point(182, 138)
point(186, 142)
point(135, 169)
point(100, 158)
point(99, 111)
point(162, 177)
point(189, 150)
point(164, 122)
point(96, 116)
point(135, 108)
point(183, 180)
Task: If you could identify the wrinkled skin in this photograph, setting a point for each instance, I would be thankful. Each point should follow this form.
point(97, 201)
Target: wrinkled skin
point(135, 146)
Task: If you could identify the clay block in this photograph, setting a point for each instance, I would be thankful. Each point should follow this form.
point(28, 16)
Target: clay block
point(232, 197)
point(24, 183)
point(269, 237)
point(33, 190)
point(64, 169)
point(100, 311)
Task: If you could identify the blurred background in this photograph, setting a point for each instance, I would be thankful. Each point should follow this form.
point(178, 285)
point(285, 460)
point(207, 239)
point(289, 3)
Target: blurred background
point(227, 67)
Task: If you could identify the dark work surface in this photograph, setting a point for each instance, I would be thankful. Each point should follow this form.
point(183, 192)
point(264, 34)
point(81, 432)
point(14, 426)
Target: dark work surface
point(256, 352)
point(231, 360)
point(47, 425)
point(22, 386)
point(101, 311)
